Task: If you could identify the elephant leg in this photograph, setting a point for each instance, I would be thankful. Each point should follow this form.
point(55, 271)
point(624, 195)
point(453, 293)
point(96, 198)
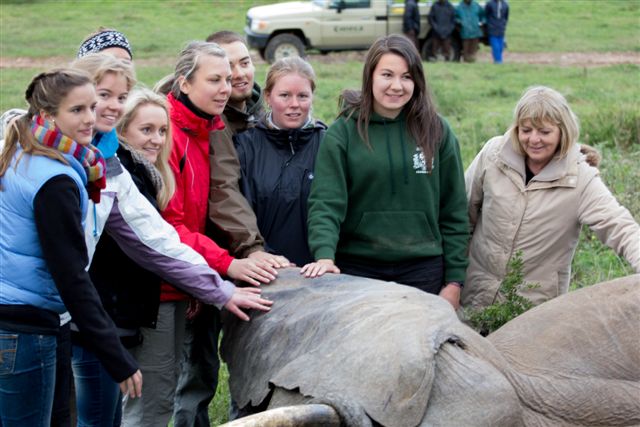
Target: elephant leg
point(470, 391)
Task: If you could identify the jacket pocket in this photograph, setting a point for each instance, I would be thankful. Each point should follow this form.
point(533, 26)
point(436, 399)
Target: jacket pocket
point(541, 289)
point(395, 230)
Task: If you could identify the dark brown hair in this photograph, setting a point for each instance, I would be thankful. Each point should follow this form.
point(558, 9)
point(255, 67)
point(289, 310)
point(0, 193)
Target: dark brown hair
point(423, 122)
point(45, 93)
point(226, 37)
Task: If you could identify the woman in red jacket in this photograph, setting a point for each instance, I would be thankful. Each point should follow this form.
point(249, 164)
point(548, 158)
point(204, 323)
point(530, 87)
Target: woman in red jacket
point(200, 88)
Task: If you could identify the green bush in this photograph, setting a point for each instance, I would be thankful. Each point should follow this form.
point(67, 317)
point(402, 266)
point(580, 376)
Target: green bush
point(510, 306)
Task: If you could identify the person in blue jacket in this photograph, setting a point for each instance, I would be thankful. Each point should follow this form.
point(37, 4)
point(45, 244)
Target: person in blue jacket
point(48, 173)
point(497, 14)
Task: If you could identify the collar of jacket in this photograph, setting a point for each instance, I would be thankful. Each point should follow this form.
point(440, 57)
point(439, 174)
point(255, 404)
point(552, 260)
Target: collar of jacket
point(559, 172)
point(188, 122)
point(290, 137)
point(252, 113)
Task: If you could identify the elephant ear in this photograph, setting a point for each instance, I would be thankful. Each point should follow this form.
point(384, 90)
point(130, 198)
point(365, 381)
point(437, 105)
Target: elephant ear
point(364, 344)
point(577, 358)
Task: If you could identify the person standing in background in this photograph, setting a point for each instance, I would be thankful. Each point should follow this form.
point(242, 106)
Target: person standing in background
point(497, 14)
point(411, 22)
point(469, 15)
point(442, 19)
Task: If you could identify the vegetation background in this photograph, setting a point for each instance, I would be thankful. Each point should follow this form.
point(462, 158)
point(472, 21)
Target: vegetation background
point(477, 99)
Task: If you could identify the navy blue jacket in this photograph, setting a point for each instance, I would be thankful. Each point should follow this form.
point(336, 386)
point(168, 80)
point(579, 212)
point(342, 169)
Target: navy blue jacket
point(277, 171)
point(442, 19)
point(496, 15)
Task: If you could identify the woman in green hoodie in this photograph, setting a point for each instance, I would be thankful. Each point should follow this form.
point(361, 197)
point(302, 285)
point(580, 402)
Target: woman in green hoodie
point(388, 199)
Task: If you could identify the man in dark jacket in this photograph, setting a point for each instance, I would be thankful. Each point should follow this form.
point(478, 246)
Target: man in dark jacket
point(442, 19)
point(497, 14)
point(232, 224)
point(411, 21)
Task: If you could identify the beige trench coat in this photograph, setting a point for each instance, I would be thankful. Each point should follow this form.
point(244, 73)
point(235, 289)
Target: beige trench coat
point(542, 219)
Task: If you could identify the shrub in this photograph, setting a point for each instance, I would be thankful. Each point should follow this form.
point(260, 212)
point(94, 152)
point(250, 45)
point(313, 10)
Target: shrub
point(511, 304)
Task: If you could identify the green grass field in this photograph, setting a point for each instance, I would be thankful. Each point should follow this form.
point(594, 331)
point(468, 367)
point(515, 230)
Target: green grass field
point(477, 99)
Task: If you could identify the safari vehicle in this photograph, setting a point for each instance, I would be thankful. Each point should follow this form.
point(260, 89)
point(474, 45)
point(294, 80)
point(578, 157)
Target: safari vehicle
point(291, 28)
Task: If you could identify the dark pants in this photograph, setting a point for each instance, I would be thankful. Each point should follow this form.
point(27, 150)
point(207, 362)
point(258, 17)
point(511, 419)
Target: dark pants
point(426, 274)
point(442, 46)
point(469, 49)
point(61, 414)
point(411, 35)
point(198, 377)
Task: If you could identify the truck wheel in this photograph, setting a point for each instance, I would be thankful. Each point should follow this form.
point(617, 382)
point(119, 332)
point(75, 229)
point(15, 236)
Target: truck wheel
point(283, 45)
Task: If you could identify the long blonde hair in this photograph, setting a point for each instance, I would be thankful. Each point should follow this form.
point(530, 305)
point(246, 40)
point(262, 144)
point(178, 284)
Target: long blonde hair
point(45, 93)
point(139, 98)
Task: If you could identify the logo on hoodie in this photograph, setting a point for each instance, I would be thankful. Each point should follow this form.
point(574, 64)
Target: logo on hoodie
point(419, 163)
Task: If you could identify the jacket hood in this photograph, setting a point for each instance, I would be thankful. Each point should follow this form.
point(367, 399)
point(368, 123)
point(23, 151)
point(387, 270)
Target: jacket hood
point(187, 121)
point(254, 110)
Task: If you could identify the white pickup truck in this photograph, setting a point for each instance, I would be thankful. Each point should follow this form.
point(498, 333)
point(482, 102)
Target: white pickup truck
point(291, 28)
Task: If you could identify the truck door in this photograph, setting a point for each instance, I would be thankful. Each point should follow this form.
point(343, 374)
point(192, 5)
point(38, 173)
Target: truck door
point(353, 23)
point(395, 14)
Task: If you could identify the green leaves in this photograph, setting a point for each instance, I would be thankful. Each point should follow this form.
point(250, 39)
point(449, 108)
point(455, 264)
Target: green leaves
point(509, 303)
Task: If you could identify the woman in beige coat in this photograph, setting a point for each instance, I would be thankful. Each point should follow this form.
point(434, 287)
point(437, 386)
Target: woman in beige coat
point(532, 190)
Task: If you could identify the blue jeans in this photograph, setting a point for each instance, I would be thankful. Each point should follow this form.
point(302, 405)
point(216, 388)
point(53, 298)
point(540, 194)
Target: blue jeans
point(27, 379)
point(98, 398)
point(497, 45)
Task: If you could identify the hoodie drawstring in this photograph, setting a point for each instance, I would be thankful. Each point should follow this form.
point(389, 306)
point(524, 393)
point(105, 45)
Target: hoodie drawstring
point(404, 158)
point(390, 157)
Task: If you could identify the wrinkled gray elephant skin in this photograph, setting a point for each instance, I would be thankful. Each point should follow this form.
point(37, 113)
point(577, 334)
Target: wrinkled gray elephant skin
point(384, 353)
point(575, 360)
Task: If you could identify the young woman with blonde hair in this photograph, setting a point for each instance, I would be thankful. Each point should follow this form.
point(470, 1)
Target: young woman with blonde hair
point(139, 230)
point(200, 88)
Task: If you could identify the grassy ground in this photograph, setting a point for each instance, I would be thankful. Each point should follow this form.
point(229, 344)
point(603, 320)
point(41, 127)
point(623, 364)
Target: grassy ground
point(476, 99)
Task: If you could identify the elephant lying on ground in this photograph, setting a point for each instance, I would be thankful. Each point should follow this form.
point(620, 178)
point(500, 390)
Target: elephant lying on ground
point(382, 353)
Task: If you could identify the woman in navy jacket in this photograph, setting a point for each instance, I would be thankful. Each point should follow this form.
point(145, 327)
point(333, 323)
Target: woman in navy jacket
point(277, 159)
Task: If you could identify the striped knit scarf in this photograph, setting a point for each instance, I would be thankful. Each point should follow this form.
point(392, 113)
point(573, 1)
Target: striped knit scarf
point(89, 156)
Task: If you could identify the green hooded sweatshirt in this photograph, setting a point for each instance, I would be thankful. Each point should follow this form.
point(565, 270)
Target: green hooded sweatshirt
point(381, 203)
